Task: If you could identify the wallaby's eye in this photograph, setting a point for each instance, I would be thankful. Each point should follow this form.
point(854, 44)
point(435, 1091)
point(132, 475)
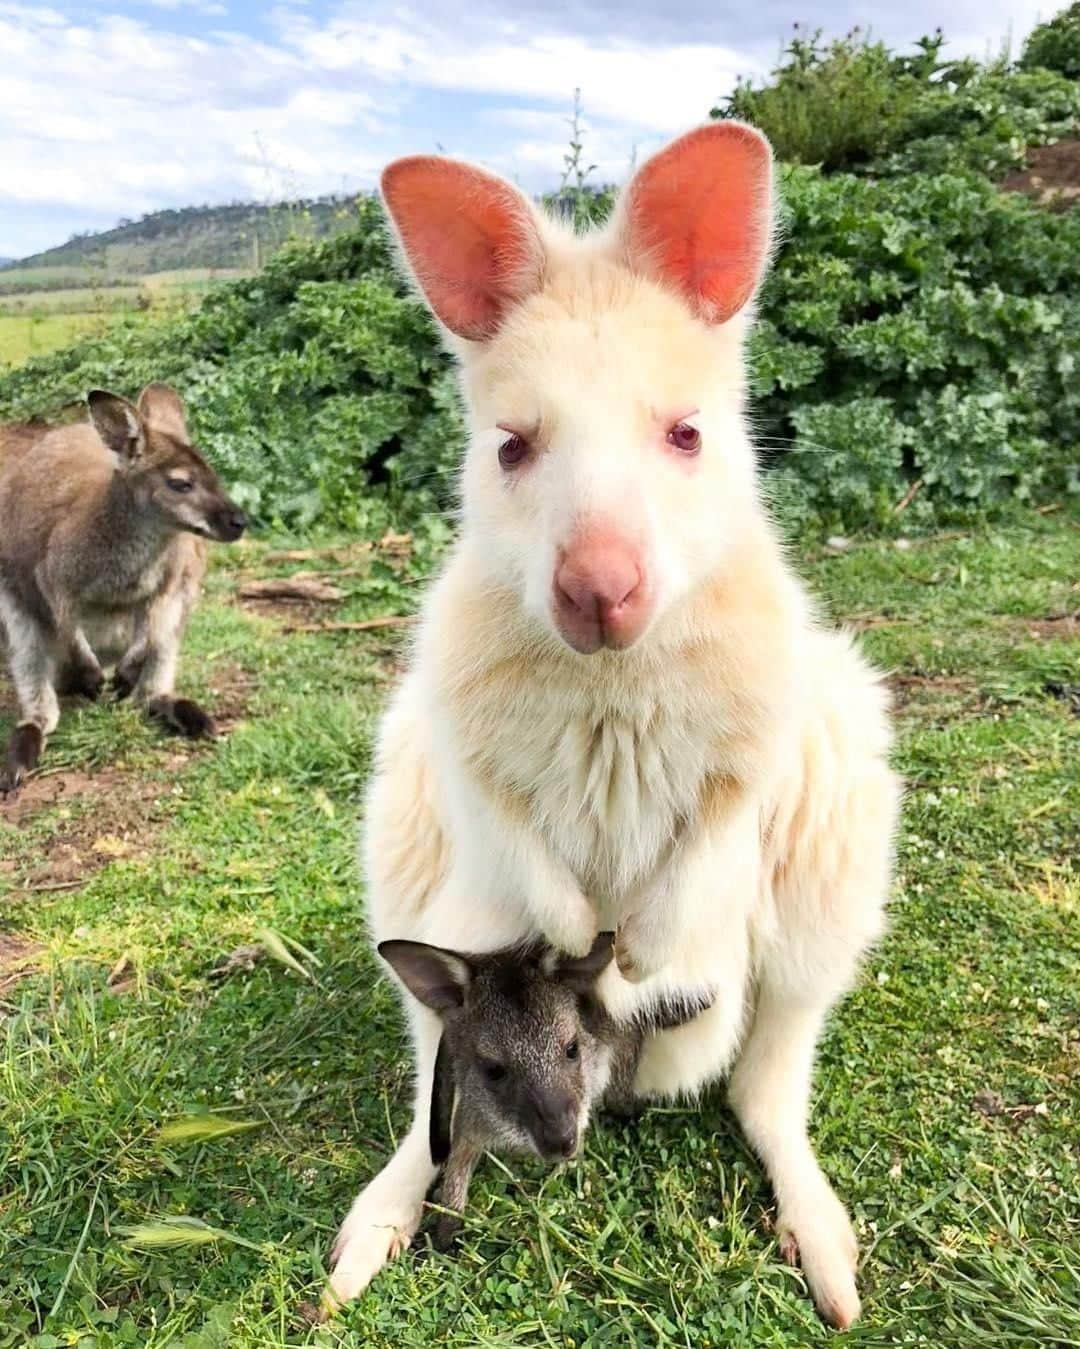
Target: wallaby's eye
point(573, 1050)
point(685, 438)
point(494, 1072)
point(513, 451)
point(179, 484)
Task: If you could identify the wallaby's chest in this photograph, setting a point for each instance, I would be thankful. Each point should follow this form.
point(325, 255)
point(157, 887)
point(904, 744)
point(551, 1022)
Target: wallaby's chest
point(609, 786)
point(125, 577)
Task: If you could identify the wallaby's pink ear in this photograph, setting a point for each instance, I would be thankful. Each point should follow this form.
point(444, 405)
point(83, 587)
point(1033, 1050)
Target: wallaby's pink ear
point(469, 237)
point(697, 216)
point(437, 977)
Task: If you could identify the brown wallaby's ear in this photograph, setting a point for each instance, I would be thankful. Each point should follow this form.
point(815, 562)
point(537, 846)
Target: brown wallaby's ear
point(438, 978)
point(163, 408)
point(583, 971)
point(117, 422)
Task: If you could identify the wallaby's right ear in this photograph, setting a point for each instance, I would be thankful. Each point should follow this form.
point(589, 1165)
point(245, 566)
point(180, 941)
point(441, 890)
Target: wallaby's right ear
point(438, 978)
point(117, 422)
point(470, 239)
point(581, 972)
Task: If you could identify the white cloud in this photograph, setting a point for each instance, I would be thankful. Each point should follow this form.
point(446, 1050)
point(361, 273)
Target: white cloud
point(106, 113)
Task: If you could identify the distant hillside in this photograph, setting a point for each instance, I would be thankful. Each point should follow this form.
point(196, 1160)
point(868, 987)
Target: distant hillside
point(241, 235)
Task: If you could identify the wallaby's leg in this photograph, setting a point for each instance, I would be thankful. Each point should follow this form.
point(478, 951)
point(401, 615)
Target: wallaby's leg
point(770, 1094)
point(166, 618)
point(454, 1192)
point(32, 654)
point(80, 672)
point(385, 1215)
point(129, 667)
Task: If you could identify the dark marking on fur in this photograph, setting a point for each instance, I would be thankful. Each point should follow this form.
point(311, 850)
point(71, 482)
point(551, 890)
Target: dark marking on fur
point(184, 716)
point(23, 751)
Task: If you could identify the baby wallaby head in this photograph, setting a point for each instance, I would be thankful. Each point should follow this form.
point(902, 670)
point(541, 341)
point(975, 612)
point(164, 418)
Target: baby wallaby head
point(164, 471)
point(608, 473)
point(519, 1039)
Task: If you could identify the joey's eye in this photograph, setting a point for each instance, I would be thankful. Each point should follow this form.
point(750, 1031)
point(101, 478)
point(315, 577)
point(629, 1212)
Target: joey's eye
point(573, 1050)
point(178, 484)
point(513, 451)
point(494, 1072)
point(685, 438)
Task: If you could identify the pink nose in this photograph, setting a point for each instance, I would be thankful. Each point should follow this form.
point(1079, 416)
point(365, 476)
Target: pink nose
point(600, 594)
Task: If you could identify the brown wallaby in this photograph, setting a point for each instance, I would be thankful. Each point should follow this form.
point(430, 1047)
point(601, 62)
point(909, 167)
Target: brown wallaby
point(527, 1050)
point(102, 529)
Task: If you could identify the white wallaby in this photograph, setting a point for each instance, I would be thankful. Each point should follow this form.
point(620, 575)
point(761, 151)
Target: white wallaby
point(621, 710)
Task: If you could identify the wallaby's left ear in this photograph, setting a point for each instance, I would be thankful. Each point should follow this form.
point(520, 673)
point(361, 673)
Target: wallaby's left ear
point(442, 1106)
point(163, 408)
point(697, 217)
point(117, 422)
point(437, 977)
point(583, 971)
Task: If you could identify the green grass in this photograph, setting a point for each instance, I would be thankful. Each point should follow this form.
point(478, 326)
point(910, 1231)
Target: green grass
point(969, 1222)
point(35, 334)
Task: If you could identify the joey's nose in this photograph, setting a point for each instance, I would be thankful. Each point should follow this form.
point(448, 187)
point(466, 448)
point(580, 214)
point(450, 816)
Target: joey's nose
point(600, 594)
point(557, 1131)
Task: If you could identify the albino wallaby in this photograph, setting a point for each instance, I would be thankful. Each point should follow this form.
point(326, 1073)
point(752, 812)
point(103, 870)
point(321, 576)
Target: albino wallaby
point(526, 1052)
point(622, 710)
point(102, 529)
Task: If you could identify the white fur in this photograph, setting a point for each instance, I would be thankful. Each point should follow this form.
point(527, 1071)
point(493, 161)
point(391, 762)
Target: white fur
point(719, 791)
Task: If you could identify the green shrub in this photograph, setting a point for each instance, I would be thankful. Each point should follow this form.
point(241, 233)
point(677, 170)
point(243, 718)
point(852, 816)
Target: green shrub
point(1055, 45)
point(835, 105)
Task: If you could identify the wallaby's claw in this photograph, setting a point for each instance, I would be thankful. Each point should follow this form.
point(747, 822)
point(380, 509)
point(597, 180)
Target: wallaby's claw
point(24, 750)
point(123, 682)
point(446, 1232)
point(80, 682)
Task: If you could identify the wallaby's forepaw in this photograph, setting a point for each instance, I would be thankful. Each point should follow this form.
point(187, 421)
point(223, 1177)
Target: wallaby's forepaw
point(184, 716)
point(24, 750)
point(636, 956)
point(573, 927)
point(81, 681)
point(370, 1237)
point(124, 679)
point(821, 1240)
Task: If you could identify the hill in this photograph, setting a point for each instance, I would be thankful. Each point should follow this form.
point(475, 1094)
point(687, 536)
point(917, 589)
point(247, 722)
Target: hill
point(240, 235)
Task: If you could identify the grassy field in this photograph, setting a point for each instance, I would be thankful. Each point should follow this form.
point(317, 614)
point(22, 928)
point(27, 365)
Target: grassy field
point(37, 317)
point(138, 874)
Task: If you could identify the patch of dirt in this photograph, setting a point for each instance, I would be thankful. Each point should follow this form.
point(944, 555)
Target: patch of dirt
point(18, 958)
point(115, 815)
point(906, 688)
point(1052, 177)
point(1053, 625)
point(48, 788)
point(230, 696)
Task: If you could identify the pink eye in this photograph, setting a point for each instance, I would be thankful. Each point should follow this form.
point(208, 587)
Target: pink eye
point(685, 438)
point(513, 451)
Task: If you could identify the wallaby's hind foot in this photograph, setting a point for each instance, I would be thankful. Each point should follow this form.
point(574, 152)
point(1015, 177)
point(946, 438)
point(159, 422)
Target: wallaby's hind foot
point(23, 751)
point(184, 716)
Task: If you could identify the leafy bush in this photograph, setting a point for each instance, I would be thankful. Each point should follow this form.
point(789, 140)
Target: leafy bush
point(852, 104)
point(918, 330)
point(1055, 45)
point(834, 105)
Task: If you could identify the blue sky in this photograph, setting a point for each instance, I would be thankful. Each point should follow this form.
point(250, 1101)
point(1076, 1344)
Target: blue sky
point(112, 108)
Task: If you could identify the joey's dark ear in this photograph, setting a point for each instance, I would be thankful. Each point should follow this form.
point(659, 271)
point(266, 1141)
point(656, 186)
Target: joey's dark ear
point(438, 978)
point(442, 1105)
point(582, 972)
point(117, 422)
